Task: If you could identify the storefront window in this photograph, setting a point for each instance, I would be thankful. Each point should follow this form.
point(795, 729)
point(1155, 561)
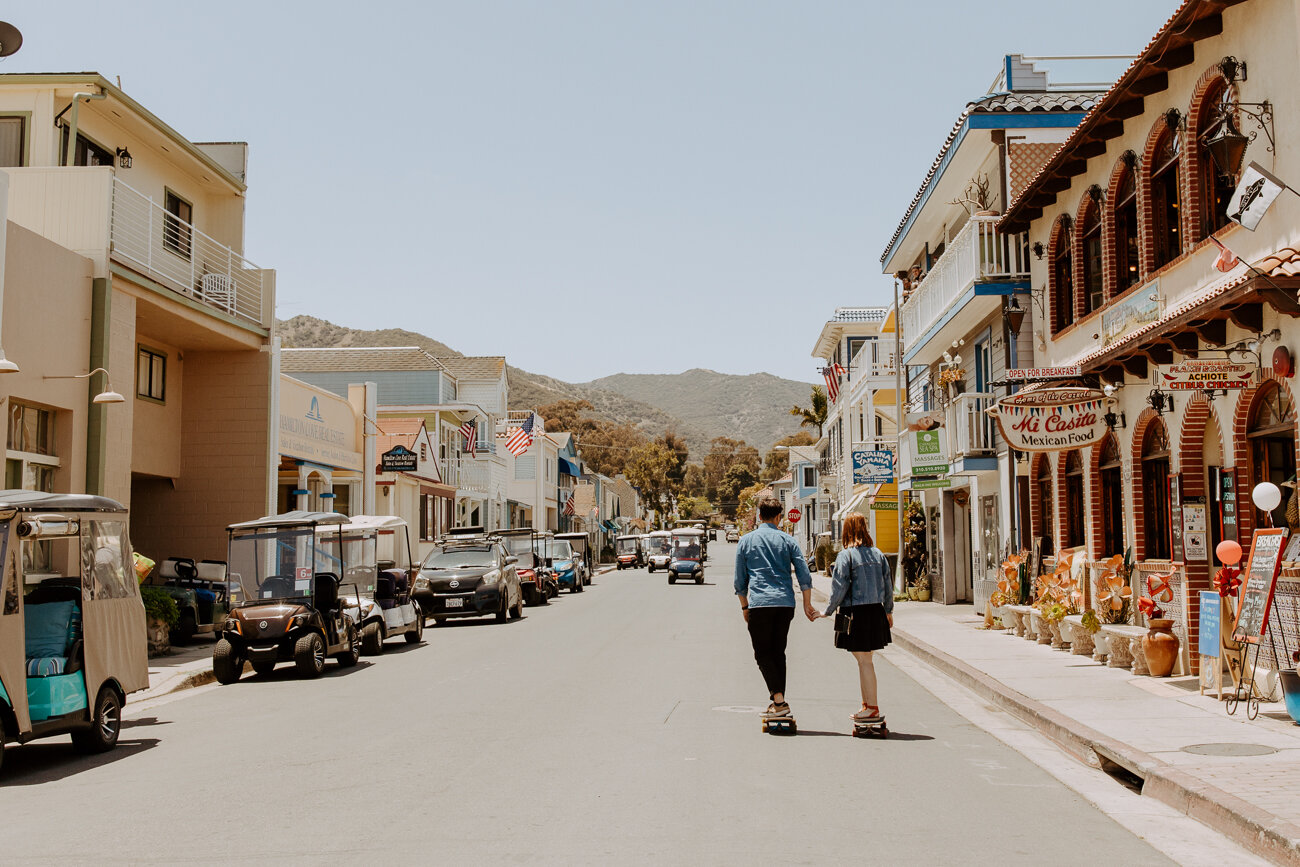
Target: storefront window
point(1155, 486)
point(1112, 499)
point(1043, 481)
point(1272, 445)
point(30, 461)
point(1074, 536)
point(343, 499)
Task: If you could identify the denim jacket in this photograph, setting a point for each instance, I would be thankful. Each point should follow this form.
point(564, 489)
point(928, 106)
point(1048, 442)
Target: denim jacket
point(764, 559)
point(870, 579)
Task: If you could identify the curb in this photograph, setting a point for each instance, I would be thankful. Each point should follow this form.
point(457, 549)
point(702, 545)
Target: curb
point(1255, 829)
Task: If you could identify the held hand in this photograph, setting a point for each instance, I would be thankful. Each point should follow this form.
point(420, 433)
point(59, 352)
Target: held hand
point(811, 613)
point(744, 612)
point(890, 618)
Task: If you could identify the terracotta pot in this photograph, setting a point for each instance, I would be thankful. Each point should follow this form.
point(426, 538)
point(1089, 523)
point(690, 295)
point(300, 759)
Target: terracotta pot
point(923, 595)
point(1160, 647)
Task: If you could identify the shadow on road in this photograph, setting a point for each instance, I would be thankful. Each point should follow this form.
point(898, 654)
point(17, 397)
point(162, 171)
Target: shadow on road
point(37, 763)
point(145, 721)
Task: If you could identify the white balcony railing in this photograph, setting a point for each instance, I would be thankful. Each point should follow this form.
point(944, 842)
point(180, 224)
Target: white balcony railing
point(871, 369)
point(978, 254)
point(972, 426)
point(465, 474)
point(179, 256)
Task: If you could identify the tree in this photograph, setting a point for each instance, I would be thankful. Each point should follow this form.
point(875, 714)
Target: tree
point(604, 445)
point(693, 481)
point(777, 461)
point(747, 504)
point(738, 478)
point(815, 415)
point(723, 452)
point(649, 467)
point(694, 507)
point(675, 444)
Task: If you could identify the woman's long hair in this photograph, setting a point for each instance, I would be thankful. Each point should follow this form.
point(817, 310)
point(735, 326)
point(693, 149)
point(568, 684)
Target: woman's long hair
point(855, 532)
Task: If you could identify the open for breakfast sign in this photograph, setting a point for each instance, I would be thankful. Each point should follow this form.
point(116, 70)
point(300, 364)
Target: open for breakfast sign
point(1052, 419)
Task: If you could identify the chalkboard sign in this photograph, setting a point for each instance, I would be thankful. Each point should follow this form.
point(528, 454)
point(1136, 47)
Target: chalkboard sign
point(1176, 518)
point(1228, 491)
point(1257, 587)
point(1211, 607)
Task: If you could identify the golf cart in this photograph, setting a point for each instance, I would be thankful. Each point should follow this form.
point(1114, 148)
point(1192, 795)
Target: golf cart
point(535, 580)
point(659, 549)
point(201, 595)
point(630, 552)
point(285, 604)
point(77, 646)
point(376, 557)
point(687, 557)
point(581, 545)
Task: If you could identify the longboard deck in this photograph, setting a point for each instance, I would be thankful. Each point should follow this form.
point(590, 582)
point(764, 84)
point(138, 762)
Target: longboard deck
point(784, 725)
point(870, 730)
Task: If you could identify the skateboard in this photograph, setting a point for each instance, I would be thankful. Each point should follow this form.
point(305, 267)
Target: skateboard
point(779, 725)
point(874, 729)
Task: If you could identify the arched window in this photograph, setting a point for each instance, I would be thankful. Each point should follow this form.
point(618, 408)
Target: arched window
point(1111, 482)
point(1213, 187)
point(1155, 491)
point(1272, 445)
point(1126, 230)
point(1090, 247)
point(1062, 276)
point(1165, 188)
point(1043, 482)
point(1074, 536)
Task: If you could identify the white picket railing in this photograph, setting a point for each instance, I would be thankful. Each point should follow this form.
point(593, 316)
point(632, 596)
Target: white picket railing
point(973, 426)
point(467, 474)
point(979, 253)
point(170, 250)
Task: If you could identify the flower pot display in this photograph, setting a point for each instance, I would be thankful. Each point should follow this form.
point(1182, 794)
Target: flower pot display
point(1291, 692)
point(1160, 647)
point(923, 595)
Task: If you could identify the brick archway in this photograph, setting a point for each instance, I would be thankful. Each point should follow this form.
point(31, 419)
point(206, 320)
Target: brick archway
point(1206, 87)
point(1146, 214)
point(1242, 469)
point(1144, 421)
point(1094, 494)
point(1197, 417)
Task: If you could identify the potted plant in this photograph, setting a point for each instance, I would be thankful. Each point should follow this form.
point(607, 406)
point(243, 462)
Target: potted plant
point(977, 198)
point(923, 588)
point(160, 614)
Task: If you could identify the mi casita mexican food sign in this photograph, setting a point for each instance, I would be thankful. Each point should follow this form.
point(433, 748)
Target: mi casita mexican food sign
point(1052, 419)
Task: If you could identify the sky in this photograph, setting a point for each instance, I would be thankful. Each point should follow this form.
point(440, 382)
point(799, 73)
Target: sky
point(590, 187)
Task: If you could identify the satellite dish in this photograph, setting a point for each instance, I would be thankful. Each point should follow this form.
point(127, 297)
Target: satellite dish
point(10, 39)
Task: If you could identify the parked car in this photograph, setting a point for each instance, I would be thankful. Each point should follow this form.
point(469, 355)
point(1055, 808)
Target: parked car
point(77, 646)
point(377, 558)
point(581, 545)
point(688, 556)
point(470, 577)
point(659, 549)
point(536, 581)
point(287, 605)
point(562, 560)
point(733, 535)
point(201, 595)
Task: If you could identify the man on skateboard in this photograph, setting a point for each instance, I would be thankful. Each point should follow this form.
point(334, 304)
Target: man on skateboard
point(764, 560)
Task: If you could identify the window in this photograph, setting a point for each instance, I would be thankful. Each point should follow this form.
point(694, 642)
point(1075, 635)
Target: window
point(1214, 187)
point(105, 550)
point(809, 477)
point(1062, 277)
point(1074, 535)
point(342, 499)
point(1090, 244)
point(87, 152)
point(1045, 499)
point(1164, 198)
point(1155, 485)
point(1112, 499)
point(1272, 445)
point(1126, 232)
point(424, 452)
point(30, 462)
point(13, 140)
point(176, 224)
point(151, 375)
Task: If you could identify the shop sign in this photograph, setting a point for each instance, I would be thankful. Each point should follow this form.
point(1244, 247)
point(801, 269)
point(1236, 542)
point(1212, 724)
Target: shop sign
point(922, 484)
point(398, 459)
point(318, 426)
point(1206, 373)
point(1195, 546)
point(1018, 374)
point(1211, 607)
point(1051, 419)
point(884, 505)
point(929, 451)
point(873, 467)
point(1133, 312)
point(1228, 502)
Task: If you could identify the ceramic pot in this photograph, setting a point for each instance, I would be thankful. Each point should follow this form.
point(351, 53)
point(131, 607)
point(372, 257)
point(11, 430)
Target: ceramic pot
point(1291, 692)
point(912, 593)
point(923, 595)
point(1160, 647)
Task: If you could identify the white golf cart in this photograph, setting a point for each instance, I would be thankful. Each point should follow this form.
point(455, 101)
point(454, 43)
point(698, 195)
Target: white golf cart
point(377, 558)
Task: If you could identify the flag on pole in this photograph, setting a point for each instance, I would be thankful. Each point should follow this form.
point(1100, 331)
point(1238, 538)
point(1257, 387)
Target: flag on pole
point(569, 508)
point(469, 430)
point(521, 438)
point(832, 376)
point(1254, 196)
point(1227, 259)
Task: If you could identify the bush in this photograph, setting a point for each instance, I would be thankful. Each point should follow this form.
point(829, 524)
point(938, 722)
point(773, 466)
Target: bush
point(824, 555)
point(159, 606)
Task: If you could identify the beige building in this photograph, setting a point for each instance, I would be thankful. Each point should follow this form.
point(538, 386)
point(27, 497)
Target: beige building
point(126, 254)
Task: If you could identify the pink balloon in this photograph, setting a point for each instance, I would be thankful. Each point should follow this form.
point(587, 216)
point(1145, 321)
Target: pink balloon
point(1228, 552)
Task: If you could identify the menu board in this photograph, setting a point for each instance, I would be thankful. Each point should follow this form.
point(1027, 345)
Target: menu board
point(1257, 587)
point(1175, 515)
point(1208, 637)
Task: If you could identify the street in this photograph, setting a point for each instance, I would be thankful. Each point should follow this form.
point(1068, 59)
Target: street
point(615, 726)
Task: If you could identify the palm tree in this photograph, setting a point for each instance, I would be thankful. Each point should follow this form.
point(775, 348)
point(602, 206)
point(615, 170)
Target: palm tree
point(816, 416)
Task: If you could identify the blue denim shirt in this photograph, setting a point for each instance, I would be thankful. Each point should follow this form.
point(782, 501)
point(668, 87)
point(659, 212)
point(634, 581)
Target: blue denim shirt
point(872, 582)
point(764, 559)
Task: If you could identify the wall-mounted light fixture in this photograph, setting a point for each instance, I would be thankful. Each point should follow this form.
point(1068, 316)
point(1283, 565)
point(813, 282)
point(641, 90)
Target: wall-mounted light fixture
point(1014, 314)
point(1226, 143)
point(1094, 192)
point(105, 396)
point(1129, 158)
point(1115, 421)
point(1038, 250)
point(1161, 401)
point(1232, 69)
point(1174, 119)
point(123, 158)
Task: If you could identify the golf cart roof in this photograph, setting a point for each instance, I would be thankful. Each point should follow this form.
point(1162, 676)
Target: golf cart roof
point(660, 533)
point(374, 522)
point(582, 536)
point(688, 531)
point(621, 538)
point(39, 501)
point(292, 519)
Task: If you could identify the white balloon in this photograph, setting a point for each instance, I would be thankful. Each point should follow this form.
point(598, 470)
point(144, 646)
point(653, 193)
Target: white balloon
point(1267, 496)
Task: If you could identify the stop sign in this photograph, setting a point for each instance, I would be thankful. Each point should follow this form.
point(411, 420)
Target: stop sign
point(794, 516)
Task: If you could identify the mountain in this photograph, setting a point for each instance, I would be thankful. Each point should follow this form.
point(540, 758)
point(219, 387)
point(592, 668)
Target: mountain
point(753, 408)
point(697, 404)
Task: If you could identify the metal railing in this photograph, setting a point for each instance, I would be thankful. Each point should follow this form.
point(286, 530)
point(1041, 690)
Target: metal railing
point(466, 475)
point(170, 250)
point(979, 253)
point(972, 425)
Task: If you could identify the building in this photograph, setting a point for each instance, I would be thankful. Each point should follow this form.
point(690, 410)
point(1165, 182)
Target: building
point(808, 495)
point(127, 247)
point(1126, 221)
point(958, 276)
point(569, 472)
point(326, 460)
point(410, 481)
point(533, 487)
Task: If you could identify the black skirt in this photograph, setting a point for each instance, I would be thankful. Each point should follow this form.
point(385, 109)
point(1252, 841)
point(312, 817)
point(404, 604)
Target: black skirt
point(869, 631)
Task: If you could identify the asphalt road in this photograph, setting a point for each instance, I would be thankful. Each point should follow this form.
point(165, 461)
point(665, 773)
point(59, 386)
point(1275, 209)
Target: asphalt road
point(615, 726)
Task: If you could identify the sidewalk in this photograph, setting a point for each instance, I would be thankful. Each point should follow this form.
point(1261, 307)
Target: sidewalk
point(1247, 787)
point(184, 667)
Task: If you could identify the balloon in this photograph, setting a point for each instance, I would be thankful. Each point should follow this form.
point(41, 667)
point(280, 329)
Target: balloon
point(1228, 552)
point(1267, 496)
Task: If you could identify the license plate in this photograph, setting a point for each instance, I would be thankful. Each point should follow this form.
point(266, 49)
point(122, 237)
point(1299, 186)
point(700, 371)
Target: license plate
point(455, 603)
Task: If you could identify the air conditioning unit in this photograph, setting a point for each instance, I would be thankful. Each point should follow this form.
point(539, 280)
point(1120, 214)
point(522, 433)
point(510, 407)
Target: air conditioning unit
point(218, 289)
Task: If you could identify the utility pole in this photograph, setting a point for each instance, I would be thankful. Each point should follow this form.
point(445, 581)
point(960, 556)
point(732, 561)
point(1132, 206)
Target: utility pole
point(898, 433)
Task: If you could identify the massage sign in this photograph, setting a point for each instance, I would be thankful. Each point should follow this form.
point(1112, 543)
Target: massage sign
point(1052, 419)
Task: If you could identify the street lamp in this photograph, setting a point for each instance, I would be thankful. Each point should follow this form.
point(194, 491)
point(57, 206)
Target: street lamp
point(105, 396)
point(1015, 315)
point(1227, 147)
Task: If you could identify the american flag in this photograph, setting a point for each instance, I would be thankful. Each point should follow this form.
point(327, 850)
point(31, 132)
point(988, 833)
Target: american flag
point(569, 508)
point(521, 438)
point(468, 430)
point(832, 376)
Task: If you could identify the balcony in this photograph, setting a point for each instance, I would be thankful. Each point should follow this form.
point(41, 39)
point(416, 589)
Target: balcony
point(466, 474)
point(978, 254)
point(972, 427)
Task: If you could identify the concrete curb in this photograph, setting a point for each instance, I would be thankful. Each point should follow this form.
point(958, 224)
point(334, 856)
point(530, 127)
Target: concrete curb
point(1255, 829)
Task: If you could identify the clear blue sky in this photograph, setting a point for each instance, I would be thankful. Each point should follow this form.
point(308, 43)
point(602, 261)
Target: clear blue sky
point(586, 187)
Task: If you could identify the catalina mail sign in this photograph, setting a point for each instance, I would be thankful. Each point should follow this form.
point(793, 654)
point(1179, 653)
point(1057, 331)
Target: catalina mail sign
point(317, 426)
point(873, 467)
point(1052, 419)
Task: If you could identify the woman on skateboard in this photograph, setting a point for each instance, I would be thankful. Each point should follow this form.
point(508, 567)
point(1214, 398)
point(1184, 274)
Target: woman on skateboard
point(862, 598)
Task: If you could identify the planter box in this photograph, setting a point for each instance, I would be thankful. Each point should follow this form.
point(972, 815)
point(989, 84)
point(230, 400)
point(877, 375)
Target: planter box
point(1081, 640)
point(1126, 647)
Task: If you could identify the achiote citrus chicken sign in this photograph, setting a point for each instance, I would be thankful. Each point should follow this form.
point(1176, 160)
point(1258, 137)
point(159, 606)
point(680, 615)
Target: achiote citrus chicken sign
point(1052, 419)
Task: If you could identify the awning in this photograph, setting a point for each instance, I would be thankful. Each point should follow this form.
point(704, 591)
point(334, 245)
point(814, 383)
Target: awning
point(611, 526)
point(568, 467)
point(849, 506)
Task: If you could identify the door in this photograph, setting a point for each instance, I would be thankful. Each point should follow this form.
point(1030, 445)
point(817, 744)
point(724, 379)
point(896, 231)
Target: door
point(112, 613)
point(983, 365)
point(13, 654)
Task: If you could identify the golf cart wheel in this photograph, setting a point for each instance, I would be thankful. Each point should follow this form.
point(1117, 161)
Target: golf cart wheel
point(186, 628)
point(672, 579)
point(309, 655)
point(504, 611)
point(416, 635)
point(263, 668)
point(699, 579)
point(518, 610)
point(352, 655)
point(372, 639)
point(105, 723)
point(578, 586)
point(226, 662)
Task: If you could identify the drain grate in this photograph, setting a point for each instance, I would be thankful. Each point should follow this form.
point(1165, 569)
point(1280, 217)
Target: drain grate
point(1229, 750)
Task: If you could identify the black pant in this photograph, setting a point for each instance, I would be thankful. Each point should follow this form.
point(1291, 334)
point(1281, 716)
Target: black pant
point(768, 628)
